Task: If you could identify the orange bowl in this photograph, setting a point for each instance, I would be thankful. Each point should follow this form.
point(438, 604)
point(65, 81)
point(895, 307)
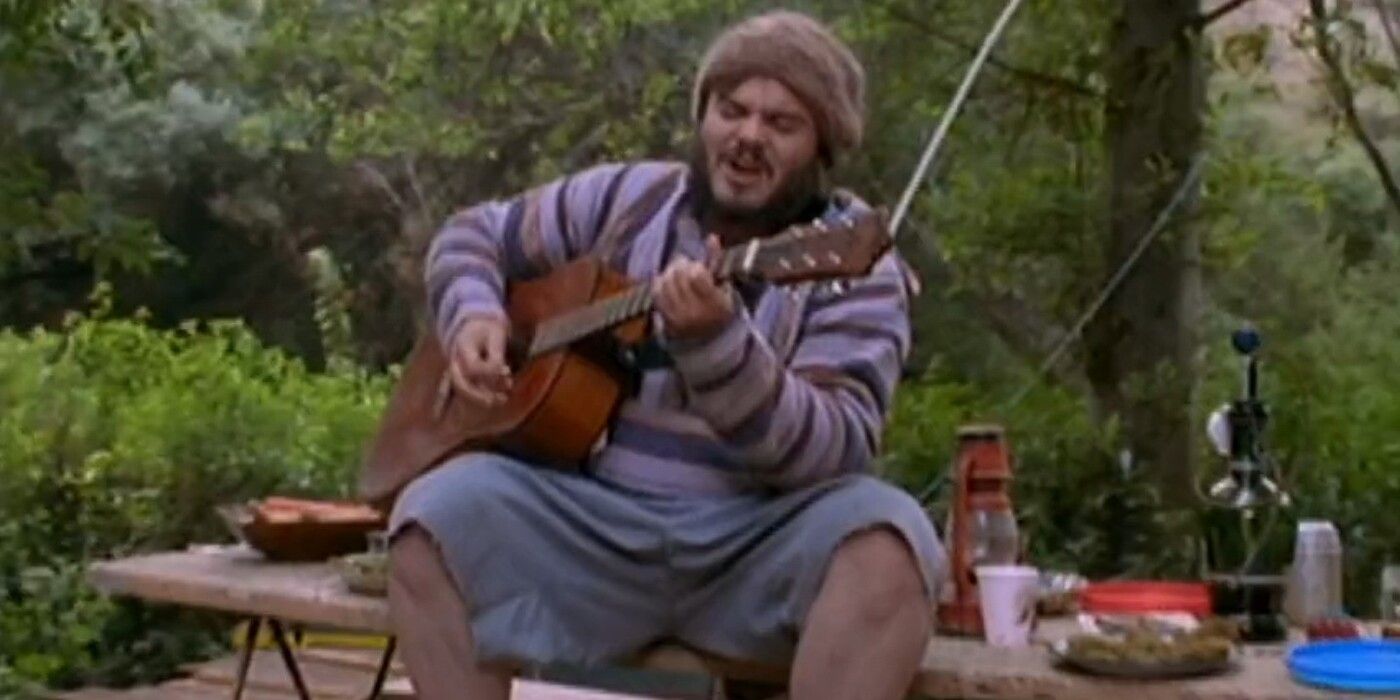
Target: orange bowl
point(310, 531)
point(1143, 597)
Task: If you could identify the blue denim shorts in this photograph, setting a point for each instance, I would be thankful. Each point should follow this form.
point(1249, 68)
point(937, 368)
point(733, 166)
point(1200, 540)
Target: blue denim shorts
point(561, 567)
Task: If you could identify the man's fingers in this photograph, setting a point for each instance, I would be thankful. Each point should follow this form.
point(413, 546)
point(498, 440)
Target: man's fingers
point(702, 289)
point(686, 294)
point(693, 280)
point(464, 357)
point(495, 381)
point(478, 367)
point(484, 396)
point(495, 346)
point(459, 380)
point(666, 293)
point(488, 391)
point(699, 284)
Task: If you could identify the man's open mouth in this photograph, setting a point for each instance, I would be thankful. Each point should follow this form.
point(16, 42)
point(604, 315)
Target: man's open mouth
point(744, 167)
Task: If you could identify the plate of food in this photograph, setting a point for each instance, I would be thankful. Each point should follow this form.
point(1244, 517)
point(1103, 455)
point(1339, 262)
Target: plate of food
point(365, 573)
point(1149, 648)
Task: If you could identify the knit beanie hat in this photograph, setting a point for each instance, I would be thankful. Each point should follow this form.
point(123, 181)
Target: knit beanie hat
point(806, 57)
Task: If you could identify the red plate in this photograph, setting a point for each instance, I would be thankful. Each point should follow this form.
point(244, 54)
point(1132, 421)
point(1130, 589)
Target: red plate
point(1138, 597)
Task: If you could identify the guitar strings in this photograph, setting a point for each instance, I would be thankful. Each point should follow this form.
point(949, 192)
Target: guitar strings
point(565, 329)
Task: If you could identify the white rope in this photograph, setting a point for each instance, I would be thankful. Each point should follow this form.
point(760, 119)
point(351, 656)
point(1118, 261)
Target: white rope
point(1178, 197)
point(936, 141)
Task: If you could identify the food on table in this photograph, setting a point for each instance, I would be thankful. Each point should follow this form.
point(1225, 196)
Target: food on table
point(1059, 593)
point(1333, 628)
point(281, 509)
point(1145, 641)
point(1222, 627)
point(1059, 603)
point(1390, 630)
point(366, 573)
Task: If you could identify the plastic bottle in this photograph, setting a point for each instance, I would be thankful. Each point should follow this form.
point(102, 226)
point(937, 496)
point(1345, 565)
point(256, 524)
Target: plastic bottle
point(1315, 579)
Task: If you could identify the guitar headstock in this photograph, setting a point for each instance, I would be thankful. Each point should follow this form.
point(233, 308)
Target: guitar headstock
point(847, 247)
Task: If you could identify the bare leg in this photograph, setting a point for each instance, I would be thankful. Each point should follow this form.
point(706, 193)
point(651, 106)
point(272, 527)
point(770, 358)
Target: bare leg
point(866, 632)
point(430, 620)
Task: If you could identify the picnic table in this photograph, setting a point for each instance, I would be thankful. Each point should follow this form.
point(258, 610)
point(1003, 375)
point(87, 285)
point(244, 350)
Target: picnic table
point(238, 580)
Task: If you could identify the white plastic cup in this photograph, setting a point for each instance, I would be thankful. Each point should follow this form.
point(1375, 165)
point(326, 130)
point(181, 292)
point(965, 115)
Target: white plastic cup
point(1008, 595)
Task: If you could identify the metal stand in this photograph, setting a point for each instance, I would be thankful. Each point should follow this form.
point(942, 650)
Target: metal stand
point(250, 643)
point(384, 664)
point(288, 658)
point(279, 635)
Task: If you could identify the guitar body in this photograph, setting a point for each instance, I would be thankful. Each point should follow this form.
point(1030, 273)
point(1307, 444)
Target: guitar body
point(559, 404)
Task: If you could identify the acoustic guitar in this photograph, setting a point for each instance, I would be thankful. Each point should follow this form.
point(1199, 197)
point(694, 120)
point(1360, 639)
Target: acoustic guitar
point(570, 334)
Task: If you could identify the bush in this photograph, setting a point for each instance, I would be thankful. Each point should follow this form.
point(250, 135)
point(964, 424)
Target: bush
point(1078, 509)
point(115, 438)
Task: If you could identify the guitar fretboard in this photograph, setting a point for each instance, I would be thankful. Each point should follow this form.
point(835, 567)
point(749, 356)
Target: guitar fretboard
point(566, 329)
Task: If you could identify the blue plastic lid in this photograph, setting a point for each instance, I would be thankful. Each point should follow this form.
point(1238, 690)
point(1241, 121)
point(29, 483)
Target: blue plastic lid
point(1365, 665)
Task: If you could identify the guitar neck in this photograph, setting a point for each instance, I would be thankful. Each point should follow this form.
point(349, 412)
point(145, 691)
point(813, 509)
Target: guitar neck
point(604, 314)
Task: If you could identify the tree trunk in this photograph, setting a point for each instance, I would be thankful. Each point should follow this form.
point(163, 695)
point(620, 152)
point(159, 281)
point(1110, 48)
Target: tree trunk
point(1141, 347)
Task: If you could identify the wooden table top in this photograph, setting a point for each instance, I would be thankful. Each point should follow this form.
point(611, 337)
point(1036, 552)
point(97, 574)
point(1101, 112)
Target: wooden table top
point(238, 580)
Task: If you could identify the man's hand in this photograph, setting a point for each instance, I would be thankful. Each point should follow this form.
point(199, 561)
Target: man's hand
point(478, 361)
point(690, 302)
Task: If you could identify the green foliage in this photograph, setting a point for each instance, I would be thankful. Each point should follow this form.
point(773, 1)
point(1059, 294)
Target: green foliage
point(61, 62)
point(115, 438)
point(522, 90)
point(332, 312)
point(1078, 509)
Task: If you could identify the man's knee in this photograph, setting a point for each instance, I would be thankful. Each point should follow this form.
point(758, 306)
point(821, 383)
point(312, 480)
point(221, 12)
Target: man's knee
point(880, 569)
point(415, 564)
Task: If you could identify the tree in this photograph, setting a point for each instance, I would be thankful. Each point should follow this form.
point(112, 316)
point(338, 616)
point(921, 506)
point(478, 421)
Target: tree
point(1323, 39)
point(1141, 348)
point(58, 61)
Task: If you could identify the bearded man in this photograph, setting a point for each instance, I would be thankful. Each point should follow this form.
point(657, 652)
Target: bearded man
point(731, 507)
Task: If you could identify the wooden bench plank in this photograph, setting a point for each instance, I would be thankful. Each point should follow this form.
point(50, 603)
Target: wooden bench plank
point(212, 680)
point(238, 580)
point(269, 675)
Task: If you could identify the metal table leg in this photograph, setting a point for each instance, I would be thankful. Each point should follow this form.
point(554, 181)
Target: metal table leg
point(383, 673)
point(250, 643)
point(288, 658)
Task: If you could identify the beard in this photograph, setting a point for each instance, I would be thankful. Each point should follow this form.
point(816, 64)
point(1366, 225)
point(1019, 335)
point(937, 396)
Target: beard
point(799, 197)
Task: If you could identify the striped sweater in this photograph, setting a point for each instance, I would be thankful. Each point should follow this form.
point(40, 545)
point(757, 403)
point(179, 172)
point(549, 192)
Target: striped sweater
point(790, 393)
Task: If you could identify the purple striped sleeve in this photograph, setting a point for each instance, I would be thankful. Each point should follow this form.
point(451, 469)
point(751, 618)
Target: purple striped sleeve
point(821, 416)
point(480, 248)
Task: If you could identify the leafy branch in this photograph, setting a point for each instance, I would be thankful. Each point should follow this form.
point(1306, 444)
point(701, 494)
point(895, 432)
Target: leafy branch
point(1025, 75)
point(1390, 26)
point(1026, 330)
point(1344, 94)
point(1220, 11)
